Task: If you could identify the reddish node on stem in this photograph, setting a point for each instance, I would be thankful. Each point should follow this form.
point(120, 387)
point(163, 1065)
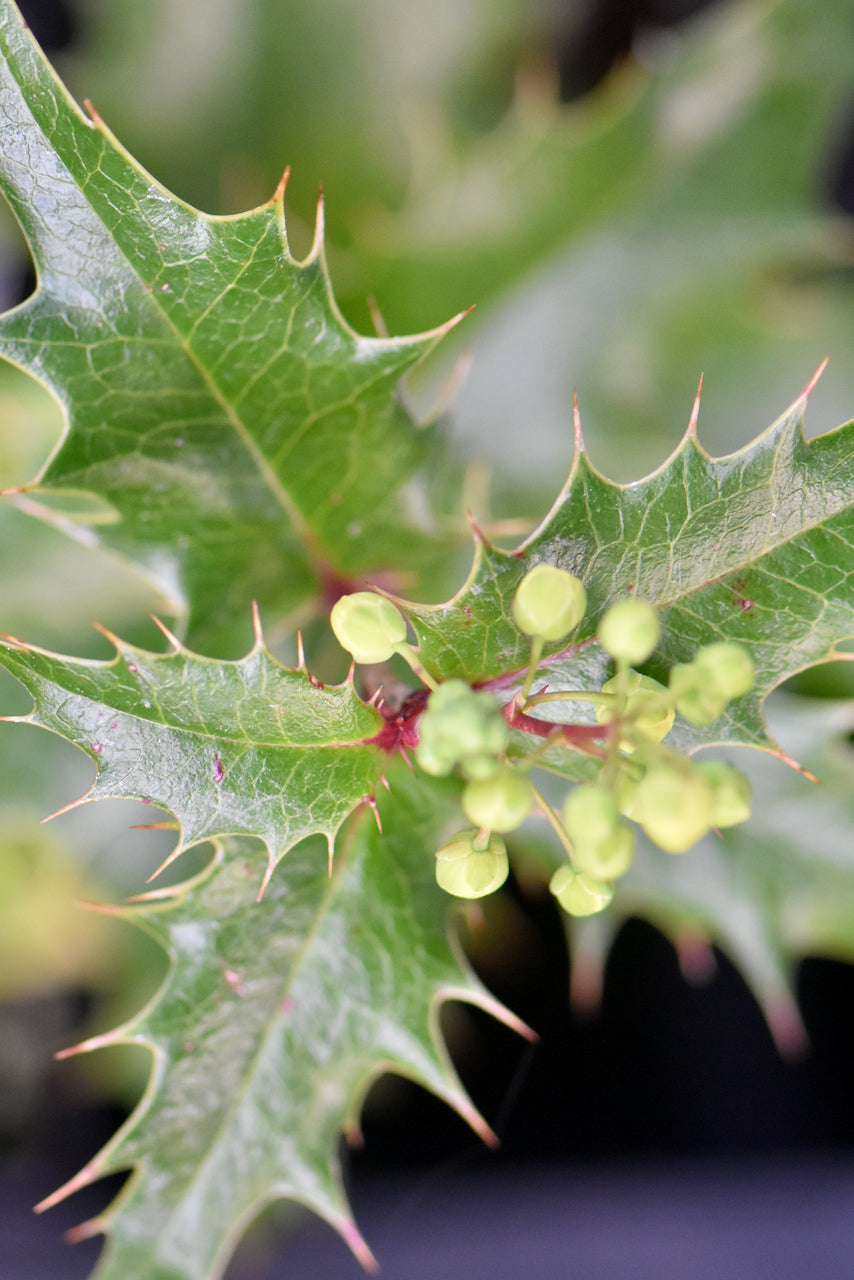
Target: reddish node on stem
point(400, 729)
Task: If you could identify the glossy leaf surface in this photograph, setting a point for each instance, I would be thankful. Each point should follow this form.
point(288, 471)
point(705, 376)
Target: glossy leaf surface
point(754, 548)
point(268, 1032)
point(226, 430)
point(228, 748)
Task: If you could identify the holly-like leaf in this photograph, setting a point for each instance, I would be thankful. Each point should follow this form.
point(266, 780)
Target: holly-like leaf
point(228, 748)
point(756, 547)
point(226, 429)
point(273, 1022)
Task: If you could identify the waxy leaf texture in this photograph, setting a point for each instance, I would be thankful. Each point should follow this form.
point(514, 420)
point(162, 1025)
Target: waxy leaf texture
point(756, 547)
point(273, 1022)
point(228, 748)
point(236, 439)
point(229, 434)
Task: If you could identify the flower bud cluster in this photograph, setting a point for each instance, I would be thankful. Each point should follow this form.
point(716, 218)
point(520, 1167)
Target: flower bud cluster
point(641, 782)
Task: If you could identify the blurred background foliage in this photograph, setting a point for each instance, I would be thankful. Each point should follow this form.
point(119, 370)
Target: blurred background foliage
point(632, 194)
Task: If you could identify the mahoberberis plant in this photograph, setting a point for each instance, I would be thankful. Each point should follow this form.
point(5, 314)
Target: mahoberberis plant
point(673, 799)
point(235, 441)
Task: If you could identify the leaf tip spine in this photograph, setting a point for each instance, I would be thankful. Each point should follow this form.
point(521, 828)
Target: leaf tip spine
point(89, 1045)
point(576, 426)
point(93, 113)
point(358, 1246)
point(108, 635)
point(691, 431)
point(167, 862)
point(272, 862)
point(786, 1026)
point(466, 1109)
point(84, 1178)
point(377, 319)
point(281, 187)
point(371, 802)
point(174, 642)
point(86, 1230)
point(477, 533)
point(319, 227)
point(257, 629)
point(810, 387)
point(66, 808)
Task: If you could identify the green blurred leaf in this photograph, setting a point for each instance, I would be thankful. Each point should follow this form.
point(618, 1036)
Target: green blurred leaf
point(780, 886)
point(716, 252)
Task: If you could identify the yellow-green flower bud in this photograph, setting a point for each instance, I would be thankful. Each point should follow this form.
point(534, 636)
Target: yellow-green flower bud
point(578, 893)
point(651, 717)
point(629, 631)
point(549, 602)
point(467, 872)
point(499, 802)
point(368, 626)
point(674, 806)
point(727, 667)
point(590, 815)
point(460, 725)
point(609, 859)
point(731, 792)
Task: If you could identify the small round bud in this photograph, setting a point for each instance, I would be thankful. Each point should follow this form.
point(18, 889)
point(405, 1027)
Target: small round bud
point(651, 717)
point(609, 859)
point(467, 872)
point(603, 844)
point(696, 698)
point(674, 806)
point(590, 815)
point(578, 893)
point(626, 790)
point(460, 725)
point(549, 602)
point(731, 791)
point(499, 802)
point(479, 767)
point(368, 626)
point(629, 631)
point(727, 667)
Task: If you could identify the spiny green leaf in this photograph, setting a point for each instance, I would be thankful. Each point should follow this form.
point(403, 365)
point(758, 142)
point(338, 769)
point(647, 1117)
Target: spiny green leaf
point(237, 439)
point(229, 748)
point(274, 1020)
point(755, 547)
